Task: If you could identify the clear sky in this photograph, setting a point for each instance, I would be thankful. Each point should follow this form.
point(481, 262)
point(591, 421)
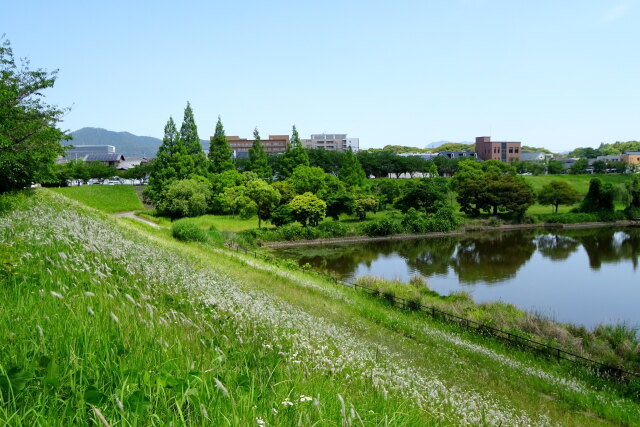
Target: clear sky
point(558, 74)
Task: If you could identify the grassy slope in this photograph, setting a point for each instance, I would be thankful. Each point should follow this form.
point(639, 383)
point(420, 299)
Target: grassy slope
point(107, 198)
point(265, 333)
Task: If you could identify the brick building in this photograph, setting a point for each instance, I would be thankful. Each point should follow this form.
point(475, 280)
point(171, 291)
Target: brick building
point(504, 151)
point(276, 144)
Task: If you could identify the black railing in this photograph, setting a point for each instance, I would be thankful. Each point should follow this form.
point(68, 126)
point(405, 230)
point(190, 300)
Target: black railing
point(481, 328)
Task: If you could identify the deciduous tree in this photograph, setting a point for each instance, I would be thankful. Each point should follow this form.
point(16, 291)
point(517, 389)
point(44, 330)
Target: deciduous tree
point(185, 197)
point(308, 208)
point(264, 196)
point(29, 136)
point(558, 193)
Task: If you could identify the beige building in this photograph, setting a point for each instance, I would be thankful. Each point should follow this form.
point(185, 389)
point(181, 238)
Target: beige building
point(631, 158)
point(505, 151)
point(276, 144)
point(332, 142)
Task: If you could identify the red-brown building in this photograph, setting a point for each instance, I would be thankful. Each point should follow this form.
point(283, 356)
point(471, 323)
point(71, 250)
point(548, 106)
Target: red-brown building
point(504, 151)
point(274, 145)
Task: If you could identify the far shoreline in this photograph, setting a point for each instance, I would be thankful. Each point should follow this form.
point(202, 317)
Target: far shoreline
point(463, 231)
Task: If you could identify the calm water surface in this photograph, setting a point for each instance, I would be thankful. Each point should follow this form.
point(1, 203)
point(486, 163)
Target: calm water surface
point(584, 277)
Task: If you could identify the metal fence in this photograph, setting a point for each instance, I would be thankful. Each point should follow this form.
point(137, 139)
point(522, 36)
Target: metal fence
point(515, 340)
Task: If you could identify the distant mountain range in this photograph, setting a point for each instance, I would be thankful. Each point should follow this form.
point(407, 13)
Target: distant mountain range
point(130, 145)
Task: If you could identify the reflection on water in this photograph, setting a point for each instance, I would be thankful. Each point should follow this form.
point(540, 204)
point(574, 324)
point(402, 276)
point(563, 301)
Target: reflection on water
point(549, 272)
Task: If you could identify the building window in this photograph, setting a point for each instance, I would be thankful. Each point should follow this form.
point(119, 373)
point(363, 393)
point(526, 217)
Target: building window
point(510, 150)
point(517, 150)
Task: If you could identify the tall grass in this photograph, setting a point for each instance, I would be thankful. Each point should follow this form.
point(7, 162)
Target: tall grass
point(100, 320)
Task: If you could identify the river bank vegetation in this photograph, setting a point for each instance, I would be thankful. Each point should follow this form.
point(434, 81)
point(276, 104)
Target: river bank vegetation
point(614, 345)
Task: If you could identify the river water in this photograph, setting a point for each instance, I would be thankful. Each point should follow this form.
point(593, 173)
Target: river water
point(585, 277)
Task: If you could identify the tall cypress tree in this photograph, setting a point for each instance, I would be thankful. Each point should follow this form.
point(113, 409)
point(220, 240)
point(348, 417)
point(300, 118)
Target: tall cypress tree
point(294, 156)
point(220, 154)
point(191, 140)
point(351, 172)
point(172, 163)
point(258, 161)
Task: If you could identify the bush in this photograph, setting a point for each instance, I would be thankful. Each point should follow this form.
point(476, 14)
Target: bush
point(295, 232)
point(332, 229)
point(282, 216)
point(414, 221)
point(570, 218)
point(382, 227)
point(187, 231)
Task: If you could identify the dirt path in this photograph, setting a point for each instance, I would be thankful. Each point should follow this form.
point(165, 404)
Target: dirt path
point(132, 215)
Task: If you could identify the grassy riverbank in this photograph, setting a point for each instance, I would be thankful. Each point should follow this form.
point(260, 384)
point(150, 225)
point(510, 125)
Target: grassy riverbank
point(112, 315)
point(106, 198)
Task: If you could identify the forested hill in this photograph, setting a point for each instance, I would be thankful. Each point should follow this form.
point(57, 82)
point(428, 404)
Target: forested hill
point(126, 143)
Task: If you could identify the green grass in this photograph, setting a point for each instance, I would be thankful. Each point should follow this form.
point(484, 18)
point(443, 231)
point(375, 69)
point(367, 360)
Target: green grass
point(579, 182)
point(152, 331)
point(106, 198)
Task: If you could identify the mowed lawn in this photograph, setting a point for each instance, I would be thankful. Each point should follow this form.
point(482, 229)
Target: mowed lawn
point(107, 198)
point(579, 182)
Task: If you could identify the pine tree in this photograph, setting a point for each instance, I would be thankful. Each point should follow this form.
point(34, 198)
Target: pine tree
point(189, 135)
point(220, 154)
point(258, 161)
point(351, 172)
point(294, 156)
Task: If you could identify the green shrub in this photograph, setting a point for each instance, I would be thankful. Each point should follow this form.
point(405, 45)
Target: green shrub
point(382, 227)
point(332, 229)
point(187, 231)
point(295, 232)
point(570, 218)
point(282, 215)
point(414, 221)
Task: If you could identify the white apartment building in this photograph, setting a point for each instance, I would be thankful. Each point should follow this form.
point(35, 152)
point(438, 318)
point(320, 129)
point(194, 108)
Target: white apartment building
point(332, 141)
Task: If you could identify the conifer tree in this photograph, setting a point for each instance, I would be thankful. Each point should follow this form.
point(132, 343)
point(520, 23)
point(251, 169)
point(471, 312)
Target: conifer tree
point(258, 161)
point(172, 163)
point(189, 135)
point(220, 154)
point(351, 172)
point(294, 156)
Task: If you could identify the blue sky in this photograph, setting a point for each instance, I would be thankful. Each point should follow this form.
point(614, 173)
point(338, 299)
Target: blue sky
point(558, 74)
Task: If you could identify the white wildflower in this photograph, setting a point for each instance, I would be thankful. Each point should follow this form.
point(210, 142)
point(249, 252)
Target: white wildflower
point(260, 421)
point(90, 310)
point(205, 414)
point(89, 294)
point(304, 398)
point(221, 387)
point(287, 402)
point(55, 294)
point(114, 317)
point(118, 403)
